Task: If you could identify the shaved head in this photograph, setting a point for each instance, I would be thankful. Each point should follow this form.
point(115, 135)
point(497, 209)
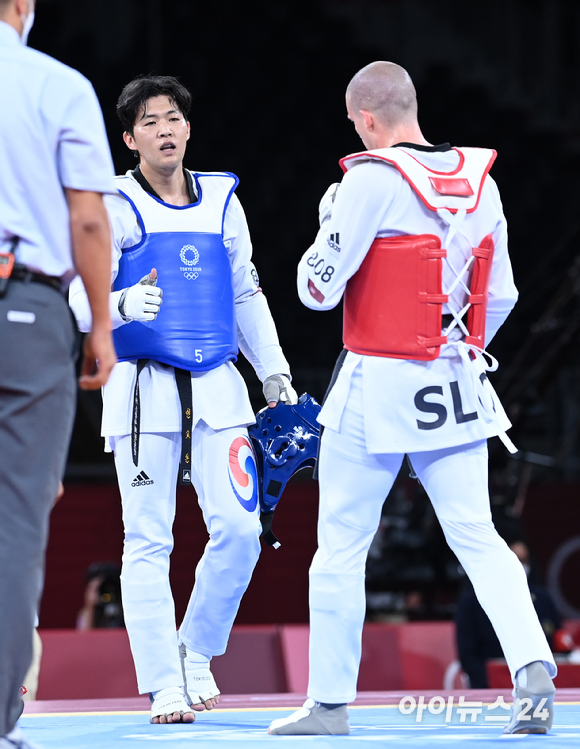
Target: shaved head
point(386, 90)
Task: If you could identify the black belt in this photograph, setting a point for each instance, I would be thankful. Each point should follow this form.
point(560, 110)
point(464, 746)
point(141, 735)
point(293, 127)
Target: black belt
point(183, 380)
point(21, 273)
point(136, 417)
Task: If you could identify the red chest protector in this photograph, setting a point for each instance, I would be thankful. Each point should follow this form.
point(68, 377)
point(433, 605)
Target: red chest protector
point(393, 303)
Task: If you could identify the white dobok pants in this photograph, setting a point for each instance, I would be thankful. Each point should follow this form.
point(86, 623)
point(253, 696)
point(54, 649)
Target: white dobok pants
point(224, 571)
point(353, 488)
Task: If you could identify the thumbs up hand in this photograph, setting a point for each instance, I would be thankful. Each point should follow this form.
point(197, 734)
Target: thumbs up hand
point(142, 301)
point(150, 279)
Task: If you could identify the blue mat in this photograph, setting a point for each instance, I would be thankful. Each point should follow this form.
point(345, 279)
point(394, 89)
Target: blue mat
point(226, 728)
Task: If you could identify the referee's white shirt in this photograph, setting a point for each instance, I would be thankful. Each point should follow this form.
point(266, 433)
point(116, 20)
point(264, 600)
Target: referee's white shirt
point(52, 136)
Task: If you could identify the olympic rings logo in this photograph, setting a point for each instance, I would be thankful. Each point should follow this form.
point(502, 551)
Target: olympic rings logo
point(183, 255)
point(191, 276)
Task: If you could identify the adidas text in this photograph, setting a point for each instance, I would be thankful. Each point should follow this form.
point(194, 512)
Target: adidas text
point(142, 480)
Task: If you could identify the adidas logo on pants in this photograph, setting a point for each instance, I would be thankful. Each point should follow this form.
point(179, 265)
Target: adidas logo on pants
point(142, 480)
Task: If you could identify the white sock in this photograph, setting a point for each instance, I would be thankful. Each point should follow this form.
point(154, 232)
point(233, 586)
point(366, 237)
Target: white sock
point(197, 658)
point(167, 691)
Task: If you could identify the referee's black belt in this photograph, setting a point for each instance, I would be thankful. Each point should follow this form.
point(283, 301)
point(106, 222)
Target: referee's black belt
point(21, 273)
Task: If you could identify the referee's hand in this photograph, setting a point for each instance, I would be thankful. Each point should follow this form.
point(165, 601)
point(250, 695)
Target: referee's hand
point(99, 358)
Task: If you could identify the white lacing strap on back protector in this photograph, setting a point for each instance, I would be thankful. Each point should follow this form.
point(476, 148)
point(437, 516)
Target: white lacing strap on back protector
point(454, 221)
point(482, 361)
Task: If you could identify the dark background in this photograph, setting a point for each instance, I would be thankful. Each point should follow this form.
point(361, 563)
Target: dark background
point(268, 81)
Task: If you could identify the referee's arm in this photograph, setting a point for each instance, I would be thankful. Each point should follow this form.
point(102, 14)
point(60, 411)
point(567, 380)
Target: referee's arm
point(91, 247)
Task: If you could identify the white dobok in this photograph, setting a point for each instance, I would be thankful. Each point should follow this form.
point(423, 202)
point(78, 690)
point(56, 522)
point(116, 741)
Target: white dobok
point(439, 412)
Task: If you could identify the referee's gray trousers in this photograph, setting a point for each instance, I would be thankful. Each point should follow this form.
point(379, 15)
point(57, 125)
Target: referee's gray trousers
point(37, 402)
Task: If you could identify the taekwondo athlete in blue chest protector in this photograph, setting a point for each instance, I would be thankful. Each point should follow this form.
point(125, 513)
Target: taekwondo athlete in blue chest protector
point(185, 297)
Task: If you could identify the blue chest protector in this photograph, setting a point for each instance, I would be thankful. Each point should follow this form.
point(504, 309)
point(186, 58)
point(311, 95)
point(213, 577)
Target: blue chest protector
point(196, 326)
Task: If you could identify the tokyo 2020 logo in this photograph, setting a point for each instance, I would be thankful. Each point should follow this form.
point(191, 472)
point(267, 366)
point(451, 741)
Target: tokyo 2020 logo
point(189, 256)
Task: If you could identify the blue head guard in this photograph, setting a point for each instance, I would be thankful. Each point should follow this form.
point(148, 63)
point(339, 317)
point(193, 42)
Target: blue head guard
point(285, 439)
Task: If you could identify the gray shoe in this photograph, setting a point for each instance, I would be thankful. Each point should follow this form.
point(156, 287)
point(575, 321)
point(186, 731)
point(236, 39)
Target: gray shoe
point(16, 740)
point(313, 720)
point(533, 710)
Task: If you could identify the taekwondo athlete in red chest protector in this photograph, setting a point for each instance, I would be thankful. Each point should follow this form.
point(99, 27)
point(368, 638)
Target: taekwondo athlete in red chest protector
point(176, 406)
point(414, 240)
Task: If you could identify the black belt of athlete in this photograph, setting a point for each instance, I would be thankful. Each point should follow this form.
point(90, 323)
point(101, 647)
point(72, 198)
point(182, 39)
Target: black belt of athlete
point(183, 381)
point(21, 273)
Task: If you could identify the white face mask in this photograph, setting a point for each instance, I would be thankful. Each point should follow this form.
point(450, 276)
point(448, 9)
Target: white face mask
point(28, 23)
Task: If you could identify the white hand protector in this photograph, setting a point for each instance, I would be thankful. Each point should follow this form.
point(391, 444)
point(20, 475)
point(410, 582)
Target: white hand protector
point(278, 388)
point(141, 301)
point(325, 205)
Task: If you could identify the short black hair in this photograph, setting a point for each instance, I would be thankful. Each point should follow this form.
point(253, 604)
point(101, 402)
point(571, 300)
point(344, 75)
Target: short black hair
point(136, 94)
